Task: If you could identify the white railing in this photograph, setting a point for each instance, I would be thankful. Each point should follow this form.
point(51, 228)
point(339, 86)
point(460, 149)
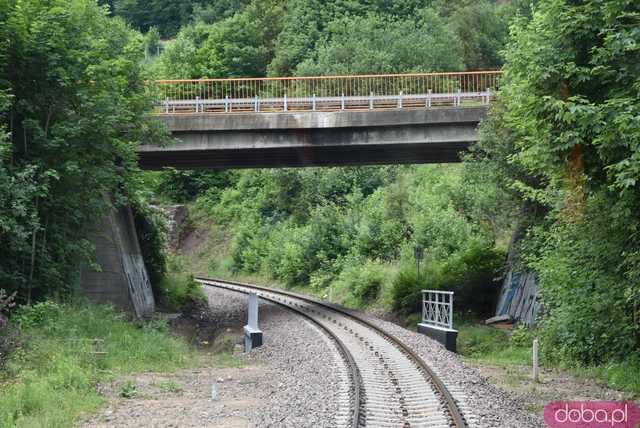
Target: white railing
point(326, 93)
point(437, 308)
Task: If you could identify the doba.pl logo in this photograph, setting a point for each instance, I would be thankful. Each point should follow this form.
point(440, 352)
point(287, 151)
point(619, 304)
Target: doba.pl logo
point(592, 414)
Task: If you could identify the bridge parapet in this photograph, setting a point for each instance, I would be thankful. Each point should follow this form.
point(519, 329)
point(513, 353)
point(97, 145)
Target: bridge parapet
point(327, 93)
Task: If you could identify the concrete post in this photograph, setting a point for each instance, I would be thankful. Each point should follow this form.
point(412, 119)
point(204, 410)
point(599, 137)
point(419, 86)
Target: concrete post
point(252, 334)
point(536, 371)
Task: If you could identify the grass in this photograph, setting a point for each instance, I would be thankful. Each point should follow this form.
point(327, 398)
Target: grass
point(68, 349)
point(491, 345)
point(622, 376)
point(170, 386)
point(177, 288)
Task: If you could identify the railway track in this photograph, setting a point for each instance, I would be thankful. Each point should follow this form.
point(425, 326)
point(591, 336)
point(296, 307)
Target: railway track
point(391, 385)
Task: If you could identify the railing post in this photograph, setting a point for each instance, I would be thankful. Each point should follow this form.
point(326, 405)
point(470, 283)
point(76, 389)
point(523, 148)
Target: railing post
point(451, 310)
point(166, 105)
point(400, 100)
point(458, 98)
point(371, 101)
point(313, 102)
point(488, 95)
point(342, 101)
point(256, 106)
point(286, 107)
point(197, 103)
point(226, 104)
point(429, 99)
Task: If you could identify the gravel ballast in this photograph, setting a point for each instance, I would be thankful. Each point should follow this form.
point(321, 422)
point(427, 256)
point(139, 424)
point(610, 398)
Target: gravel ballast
point(482, 403)
point(305, 373)
point(296, 379)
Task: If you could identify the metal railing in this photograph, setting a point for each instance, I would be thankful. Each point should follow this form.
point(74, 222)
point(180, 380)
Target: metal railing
point(437, 308)
point(326, 93)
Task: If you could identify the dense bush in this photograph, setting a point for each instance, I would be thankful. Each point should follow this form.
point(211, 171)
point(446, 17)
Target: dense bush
point(564, 140)
point(152, 236)
point(178, 290)
point(360, 283)
point(471, 273)
point(7, 335)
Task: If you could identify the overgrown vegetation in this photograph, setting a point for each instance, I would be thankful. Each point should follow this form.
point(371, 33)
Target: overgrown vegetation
point(564, 139)
point(73, 107)
point(302, 37)
point(349, 233)
point(67, 349)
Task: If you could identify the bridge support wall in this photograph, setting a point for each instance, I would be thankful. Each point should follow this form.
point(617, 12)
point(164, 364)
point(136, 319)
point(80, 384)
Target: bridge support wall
point(122, 279)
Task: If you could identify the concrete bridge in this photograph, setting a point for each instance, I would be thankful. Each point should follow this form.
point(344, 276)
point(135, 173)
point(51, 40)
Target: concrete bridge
point(320, 121)
point(289, 122)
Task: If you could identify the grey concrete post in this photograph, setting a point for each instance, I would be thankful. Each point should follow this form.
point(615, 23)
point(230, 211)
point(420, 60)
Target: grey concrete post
point(536, 370)
point(252, 333)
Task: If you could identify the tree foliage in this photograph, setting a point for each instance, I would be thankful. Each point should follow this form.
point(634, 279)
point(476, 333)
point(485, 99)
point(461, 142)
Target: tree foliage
point(380, 44)
point(564, 139)
point(287, 37)
point(74, 106)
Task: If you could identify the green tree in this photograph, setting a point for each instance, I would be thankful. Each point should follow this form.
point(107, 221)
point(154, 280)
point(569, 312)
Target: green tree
point(380, 44)
point(152, 41)
point(565, 139)
point(77, 109)
point(239, 46)
point(482, 31)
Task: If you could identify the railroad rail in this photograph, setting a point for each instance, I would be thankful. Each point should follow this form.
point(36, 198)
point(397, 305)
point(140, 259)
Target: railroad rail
point(326, 93)
point(392, 385)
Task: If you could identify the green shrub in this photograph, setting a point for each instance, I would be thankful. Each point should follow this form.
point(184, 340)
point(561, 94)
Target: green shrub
point(522, 337)
point(36, 315)
point(128, 390)
point(407, 291)
point(151, 231)
point(178, 289)
point(470, 273)
point(362, 280)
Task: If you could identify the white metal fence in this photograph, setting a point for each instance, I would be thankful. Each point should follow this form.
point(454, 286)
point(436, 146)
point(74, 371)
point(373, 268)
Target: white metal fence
point(437, 308)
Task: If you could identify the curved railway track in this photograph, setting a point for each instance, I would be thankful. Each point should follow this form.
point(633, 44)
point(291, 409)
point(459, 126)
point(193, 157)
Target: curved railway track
point(391, 385)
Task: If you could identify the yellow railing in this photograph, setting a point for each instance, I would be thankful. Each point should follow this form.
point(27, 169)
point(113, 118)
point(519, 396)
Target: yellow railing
point(324, 92)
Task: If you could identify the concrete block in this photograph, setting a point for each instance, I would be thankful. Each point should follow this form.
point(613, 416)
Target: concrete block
point(448, 337)
point(252, 338)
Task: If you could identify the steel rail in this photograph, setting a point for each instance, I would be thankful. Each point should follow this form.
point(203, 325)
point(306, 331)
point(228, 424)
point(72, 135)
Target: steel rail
point(342, 348)
point(452, 407)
